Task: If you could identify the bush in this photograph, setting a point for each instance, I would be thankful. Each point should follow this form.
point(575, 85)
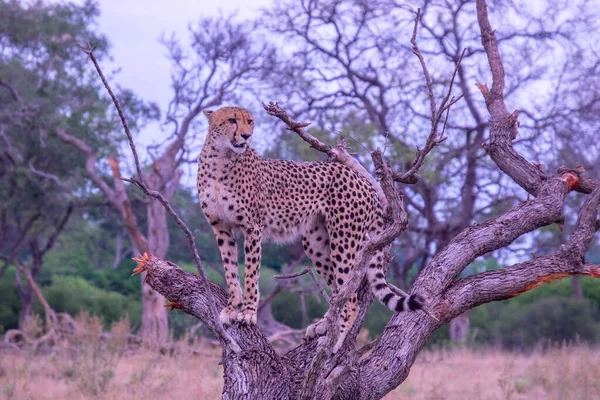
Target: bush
point(555, 319)
point(74, 295)
point(549, 312)
point(114, 280)
point(10, 305)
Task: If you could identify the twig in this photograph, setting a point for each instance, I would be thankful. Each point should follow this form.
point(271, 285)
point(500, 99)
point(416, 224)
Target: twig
point(343, 136)
point(89, 50)
point(320, 285)
point(46, 175)
point(437, 113)
point(305, 271)
point(417, 52)
point(279, 287)
point(275, 110)
point(294, 275)
point(397, 290)
point(140, 183)
point(338, 154)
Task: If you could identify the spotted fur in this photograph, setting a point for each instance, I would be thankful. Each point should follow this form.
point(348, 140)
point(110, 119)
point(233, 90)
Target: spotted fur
point(327, 204)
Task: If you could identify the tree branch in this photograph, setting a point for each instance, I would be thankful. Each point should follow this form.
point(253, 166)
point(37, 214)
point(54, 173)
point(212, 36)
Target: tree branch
point(58, 229)
point(509, 282)
point(14, 93)
point(90, 165)
point(434, 139)
point(339, 153)
point(504, 124)
point(90, 52)
point(46, 175)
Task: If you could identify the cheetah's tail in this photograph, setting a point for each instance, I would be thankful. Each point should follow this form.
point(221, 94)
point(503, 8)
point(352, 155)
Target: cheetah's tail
point(388, 298)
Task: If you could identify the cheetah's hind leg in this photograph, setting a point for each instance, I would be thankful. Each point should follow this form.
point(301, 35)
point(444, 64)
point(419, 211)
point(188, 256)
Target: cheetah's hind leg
point(315, 241)
point(349, 314)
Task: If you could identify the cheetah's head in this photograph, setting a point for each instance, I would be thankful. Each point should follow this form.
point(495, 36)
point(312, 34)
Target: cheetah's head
point(230, 127)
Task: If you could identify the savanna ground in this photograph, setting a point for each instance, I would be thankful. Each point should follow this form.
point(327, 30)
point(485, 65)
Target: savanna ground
point(87, 368)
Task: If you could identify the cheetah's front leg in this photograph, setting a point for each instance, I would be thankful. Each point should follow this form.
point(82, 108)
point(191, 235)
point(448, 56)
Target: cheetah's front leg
point(252, 249)
point(229, 256)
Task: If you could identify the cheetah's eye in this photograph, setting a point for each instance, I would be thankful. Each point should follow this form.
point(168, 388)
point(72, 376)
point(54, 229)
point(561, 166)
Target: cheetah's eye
point(232, 120)
point(250, 122)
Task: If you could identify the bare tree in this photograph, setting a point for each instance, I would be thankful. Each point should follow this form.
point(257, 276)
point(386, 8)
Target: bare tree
point(43, 85)
point(345, 60)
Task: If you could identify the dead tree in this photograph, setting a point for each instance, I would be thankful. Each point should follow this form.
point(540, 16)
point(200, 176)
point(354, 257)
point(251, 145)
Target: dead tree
point(252, 368)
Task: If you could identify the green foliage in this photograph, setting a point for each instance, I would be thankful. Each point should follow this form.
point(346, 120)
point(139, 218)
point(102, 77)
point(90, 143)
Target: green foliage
point(74, 295)
point(549, 313)
point(9, 301)
point(287, 308)
point(554, 319)
point(117, 280)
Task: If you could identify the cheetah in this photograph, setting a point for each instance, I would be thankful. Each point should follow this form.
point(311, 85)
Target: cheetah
point(327, 204)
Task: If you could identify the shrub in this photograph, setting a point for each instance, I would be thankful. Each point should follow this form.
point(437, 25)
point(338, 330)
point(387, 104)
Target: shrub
point(10, 304)
point(74, 295)
point(555, 319)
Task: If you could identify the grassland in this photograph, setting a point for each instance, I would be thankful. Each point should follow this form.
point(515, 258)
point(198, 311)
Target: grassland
point(563, 373)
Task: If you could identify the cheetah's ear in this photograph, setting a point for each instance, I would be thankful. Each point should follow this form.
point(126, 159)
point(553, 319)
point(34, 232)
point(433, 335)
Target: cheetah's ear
point(207, 112)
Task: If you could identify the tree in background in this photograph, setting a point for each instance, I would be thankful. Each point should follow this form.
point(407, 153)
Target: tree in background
point(44, 88)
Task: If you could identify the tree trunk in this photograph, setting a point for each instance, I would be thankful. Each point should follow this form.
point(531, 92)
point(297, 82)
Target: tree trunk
point(24, 290)
point(155, 320)
point(26, 299)
point(576, 285)
point(459, 328)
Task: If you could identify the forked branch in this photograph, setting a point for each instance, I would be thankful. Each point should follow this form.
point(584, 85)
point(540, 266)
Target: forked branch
point(437, 113)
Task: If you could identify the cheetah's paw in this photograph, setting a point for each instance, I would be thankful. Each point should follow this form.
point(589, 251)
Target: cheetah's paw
point(229, 315)
point(246, 317)
point(319, 328)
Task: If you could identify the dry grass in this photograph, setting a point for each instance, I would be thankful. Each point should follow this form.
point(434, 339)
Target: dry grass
point(143, 375)
point(561, 373)
point(565, 373)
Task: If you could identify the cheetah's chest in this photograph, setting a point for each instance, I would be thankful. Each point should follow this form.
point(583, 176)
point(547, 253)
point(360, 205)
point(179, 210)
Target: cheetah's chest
point(215, 198)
